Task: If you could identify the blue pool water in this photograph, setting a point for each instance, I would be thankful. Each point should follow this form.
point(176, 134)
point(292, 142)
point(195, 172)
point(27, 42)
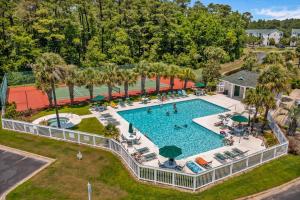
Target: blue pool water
point(160, 128)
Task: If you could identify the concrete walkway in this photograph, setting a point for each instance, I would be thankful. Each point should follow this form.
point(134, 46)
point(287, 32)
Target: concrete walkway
point(288, 191)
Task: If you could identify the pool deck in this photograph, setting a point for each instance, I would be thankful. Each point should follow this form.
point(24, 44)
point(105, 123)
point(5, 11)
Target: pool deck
point(250, 145)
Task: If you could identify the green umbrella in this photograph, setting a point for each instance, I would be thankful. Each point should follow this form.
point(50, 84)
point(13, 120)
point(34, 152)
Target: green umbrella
point(199, 85)
point(170, 151)
point(130, 130)
point(98, 98)
point(239, 118)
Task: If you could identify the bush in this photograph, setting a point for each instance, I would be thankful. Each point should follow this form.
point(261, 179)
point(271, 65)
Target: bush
point(270, 138)
point(294, 146)
point(296, 84)
point(11, 111)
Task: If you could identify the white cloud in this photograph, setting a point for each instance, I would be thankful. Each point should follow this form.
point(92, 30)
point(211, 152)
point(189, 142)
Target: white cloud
point(280, 14)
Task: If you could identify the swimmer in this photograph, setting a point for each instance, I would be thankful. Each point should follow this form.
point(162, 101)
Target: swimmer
point(168, 113)
point(175, 111)
point(174, 106)
point(177, 127)
point(185, 126)
point(149, 110)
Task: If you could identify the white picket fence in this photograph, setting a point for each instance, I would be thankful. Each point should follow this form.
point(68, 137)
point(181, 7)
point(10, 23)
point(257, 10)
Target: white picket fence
point(152, 174)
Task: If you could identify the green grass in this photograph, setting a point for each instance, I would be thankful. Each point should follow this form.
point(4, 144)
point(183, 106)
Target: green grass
point(82, 109)
point(67, 178)
point(90, 125)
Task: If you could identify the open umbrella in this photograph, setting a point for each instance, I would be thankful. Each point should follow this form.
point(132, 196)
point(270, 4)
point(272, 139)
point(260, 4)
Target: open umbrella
point(239, 118)
point(130, 130)
point(170, 152)
point(199, 85)
point(98, 98)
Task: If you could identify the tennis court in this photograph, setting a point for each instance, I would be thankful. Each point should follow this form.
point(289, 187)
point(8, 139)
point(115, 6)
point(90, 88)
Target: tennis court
point(29, 97)
point(62, 92)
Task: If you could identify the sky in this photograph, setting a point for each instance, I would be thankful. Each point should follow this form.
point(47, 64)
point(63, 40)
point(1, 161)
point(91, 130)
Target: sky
point(264, 9)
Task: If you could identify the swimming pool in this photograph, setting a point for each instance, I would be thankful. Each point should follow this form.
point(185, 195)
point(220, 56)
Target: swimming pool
point(189, 136)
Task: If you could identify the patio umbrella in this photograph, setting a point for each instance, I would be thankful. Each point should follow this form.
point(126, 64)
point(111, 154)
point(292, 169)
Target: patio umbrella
point(98, 98)
point(199, 85)
point(239, 118)
point(130, 130)
point(170, 152)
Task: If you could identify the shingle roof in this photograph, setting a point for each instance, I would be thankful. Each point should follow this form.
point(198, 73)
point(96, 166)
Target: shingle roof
point(243, 78)
point(262, 31)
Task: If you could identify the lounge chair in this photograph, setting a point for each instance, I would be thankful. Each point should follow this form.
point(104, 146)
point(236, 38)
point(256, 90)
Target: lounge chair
point(202, 162)
point(170, 95)
point(149, 157)
point(240, 152)
point(221, 157)
point(143, 150)
point(179, 92)
point(231, 154)
point(175, 94)
point(193, 167)
point(184, 93)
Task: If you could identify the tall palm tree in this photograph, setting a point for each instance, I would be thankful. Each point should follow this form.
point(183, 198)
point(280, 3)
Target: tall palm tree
point(187, 75)
point(294, 118)
point(71, 79)
point(45, 87)
point(268, 102)
point(253, 99)
point(49, 68)
point(128, 78)
point(89, 77)
point(172, 72)
point(275, 78)
point(143, 70)
point(274, 58)
point(110, 77)
point(157, 70)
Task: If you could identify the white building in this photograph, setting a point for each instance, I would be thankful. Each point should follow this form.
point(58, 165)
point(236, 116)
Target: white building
point(266, 35)
point(236, 85)
point(295, 34)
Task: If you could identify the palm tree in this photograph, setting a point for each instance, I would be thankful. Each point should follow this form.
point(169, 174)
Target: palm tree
point(187, 75)
point(45, 87)
point(49, 68)
point(157, 70)
point(89, 77)
point(110, 77)
point(273, 58)
point(71, 79)
point(294, 116)
point(268, 102)
point(173, 71)
point(143, 70)
point(275, 79)
point(128, 78)
point(253, 99)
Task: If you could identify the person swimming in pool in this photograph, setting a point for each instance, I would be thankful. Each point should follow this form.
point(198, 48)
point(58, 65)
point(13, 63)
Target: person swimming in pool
point(175, 111)
point(168, 113)
point(149, 110)
point(185, 125)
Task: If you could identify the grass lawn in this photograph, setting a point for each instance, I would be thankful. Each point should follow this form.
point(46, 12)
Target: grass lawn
point(90, 125)
point(67, 178)
point(75, 109)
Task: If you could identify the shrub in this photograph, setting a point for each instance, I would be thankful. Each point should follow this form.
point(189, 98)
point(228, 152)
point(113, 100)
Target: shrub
point(11, 111)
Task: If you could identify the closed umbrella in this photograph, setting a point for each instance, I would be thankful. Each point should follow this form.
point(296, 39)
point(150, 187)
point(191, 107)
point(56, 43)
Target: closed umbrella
point(199, 85)
point(130, 130)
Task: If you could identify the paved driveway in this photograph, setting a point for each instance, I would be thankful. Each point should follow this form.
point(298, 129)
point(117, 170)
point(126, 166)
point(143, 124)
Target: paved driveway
point(15, 167)
point(292, 193)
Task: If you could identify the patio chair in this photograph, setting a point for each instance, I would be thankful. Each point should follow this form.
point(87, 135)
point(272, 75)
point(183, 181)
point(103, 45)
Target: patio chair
point(221, 157)
point(184, 93)
point(175, 94)
point(170, 95)
point(202, 162)
point(149, 157)
point(179, 167)
point(193, 167)
point(179, 92)
point(143, 150)
point(231, 154)
point(113, 105)
point(240, 152)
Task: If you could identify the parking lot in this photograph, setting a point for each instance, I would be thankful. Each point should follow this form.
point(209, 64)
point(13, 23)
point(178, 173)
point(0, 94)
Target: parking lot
point(16, 167)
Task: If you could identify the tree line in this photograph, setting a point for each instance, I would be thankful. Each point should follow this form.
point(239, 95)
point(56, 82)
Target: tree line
point(92, 33)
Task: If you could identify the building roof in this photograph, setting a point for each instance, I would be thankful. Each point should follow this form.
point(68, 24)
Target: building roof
point(262, 31)
point(243, 78)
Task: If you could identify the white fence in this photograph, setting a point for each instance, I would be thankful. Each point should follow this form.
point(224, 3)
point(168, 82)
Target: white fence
point(152, 174)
